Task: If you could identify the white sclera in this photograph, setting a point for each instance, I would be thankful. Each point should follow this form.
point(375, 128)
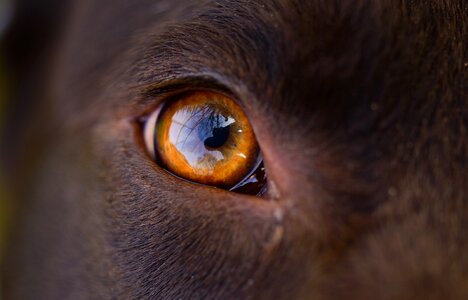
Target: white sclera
point(148, 131)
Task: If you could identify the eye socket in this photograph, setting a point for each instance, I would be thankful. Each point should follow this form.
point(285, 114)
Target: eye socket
point(205, 137)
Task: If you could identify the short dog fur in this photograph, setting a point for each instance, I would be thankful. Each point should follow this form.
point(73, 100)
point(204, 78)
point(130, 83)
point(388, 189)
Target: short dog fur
point(360, 108)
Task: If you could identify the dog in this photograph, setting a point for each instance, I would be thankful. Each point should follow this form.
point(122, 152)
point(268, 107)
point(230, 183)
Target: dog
point(359, 109)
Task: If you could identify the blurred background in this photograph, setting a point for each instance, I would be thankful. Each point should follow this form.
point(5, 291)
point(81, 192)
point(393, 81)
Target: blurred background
point(28, 29)
point(5, 205)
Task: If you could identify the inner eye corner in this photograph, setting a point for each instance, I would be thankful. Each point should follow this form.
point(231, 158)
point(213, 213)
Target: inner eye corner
point(204, 136)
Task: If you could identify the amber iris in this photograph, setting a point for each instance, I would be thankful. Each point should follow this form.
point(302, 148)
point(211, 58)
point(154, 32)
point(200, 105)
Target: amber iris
point(205, 137)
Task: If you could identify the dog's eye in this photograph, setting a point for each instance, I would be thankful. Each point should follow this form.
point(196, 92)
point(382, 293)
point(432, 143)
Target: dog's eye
point(206, 137)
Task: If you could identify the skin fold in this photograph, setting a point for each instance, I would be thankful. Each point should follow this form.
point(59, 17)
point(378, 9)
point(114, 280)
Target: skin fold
point(359, 108)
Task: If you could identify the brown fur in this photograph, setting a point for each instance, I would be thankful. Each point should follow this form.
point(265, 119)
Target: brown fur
point(360, 108)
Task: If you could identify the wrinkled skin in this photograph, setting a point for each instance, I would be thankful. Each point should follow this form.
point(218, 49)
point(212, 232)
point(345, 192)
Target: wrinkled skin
point(360, 108)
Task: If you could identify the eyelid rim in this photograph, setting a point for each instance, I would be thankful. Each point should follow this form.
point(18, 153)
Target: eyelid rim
point(257, 164)
point(152, 95)
point(149, 123)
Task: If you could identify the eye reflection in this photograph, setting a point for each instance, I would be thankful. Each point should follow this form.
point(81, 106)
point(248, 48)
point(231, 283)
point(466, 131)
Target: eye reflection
point(200, 135)
point(206, 137)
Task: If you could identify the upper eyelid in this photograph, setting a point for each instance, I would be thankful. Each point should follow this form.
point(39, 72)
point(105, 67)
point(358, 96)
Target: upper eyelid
point(151, 96)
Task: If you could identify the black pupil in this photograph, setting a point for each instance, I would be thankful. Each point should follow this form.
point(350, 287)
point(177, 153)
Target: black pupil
point(219, 138)
point(214, 130)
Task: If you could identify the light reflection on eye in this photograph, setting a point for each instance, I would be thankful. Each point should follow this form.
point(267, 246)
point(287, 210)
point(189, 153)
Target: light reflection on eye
point(206, 137)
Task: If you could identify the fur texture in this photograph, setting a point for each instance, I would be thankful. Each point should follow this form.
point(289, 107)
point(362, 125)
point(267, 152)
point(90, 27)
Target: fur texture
point(360, 108)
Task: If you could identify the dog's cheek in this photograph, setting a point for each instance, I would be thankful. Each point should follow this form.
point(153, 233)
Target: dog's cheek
point(170, 238)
